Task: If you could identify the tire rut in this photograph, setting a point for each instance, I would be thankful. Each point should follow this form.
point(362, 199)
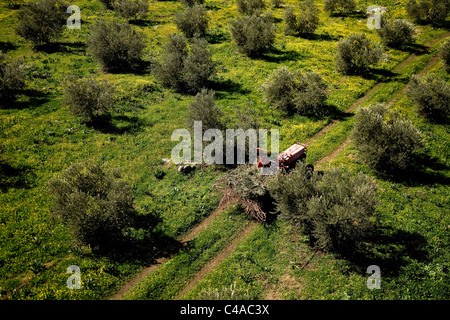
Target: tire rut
point(183, 240)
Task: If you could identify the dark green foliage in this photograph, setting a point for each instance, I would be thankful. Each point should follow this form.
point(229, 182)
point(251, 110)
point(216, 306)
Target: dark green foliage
point(192, 21)
point(431, 95)
point(89, 99)
point(42, 21)
point(184, 70)
point(198, 66)
point(250, 7)
point(12, 78)
point(116, 45)
point(444, 52)
point(356, 54)
point(203, 108)
point(132, 9)
point(305, 22)
point(339, 6)
point(107, 3)
point(253, 35)
point(276, 3)
point(95, 204)
point(428, 11)
point(170, 69)
point(386, 143)
point(396, 32)
point(295, 92)
point(191, 3)
point(335, 209)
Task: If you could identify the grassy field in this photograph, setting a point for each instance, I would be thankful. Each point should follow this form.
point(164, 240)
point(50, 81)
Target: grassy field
point(40, 138)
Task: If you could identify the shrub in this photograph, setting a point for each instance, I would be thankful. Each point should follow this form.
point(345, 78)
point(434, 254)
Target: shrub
point(341, 212)
point(428, 11)
point(95, 204)
point(182, 70)
point(191, 3)
point(444, 52)
point(198, 66)
point(388, 144)
point(107, 3)
point(132, 9)
point(339, 6)
point(431, 96)
point(253, 35)
point(291, 22)
point(295, 92)
point(203, 108)
point(396, 32)
point(170, 69)
point(335, 209)
point(116, 45)
point(276, 3)
point(192, 21)
point(306, 22)
point(12, 78)
point(356, 54)
point(42, 21)
point(89, 99)
point(250, 7)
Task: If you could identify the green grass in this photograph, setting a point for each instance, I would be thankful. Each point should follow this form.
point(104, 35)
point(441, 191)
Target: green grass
point(168, 280)
point(40, 138)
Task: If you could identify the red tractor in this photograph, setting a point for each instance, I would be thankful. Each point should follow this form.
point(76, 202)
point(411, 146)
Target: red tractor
point(287, 159)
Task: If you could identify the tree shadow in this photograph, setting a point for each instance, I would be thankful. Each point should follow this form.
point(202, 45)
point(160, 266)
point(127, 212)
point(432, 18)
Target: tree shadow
point(142, 67)
point(389, 248)
point(15, 176)
point(378, 74)
point(27, 98)
point(61, 47)
point(6, 46)
point(415, 48)
point(117, 124)
point(355, 14)
point(329, 111)
point(424, 171)
point(217, 36)
point(278, 56)
point(144, 23)
point(144, 243)
point(320, 37)
point(224, 87)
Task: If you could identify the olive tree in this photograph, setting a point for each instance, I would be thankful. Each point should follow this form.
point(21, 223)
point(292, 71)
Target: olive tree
point(387, 142)
point(116, 45)
point(254, 34)
point(296, 92)
point(42, 21)
point(355, 54)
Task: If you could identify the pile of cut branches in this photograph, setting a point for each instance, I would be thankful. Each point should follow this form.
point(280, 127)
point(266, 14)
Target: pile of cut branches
point(248, 187)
